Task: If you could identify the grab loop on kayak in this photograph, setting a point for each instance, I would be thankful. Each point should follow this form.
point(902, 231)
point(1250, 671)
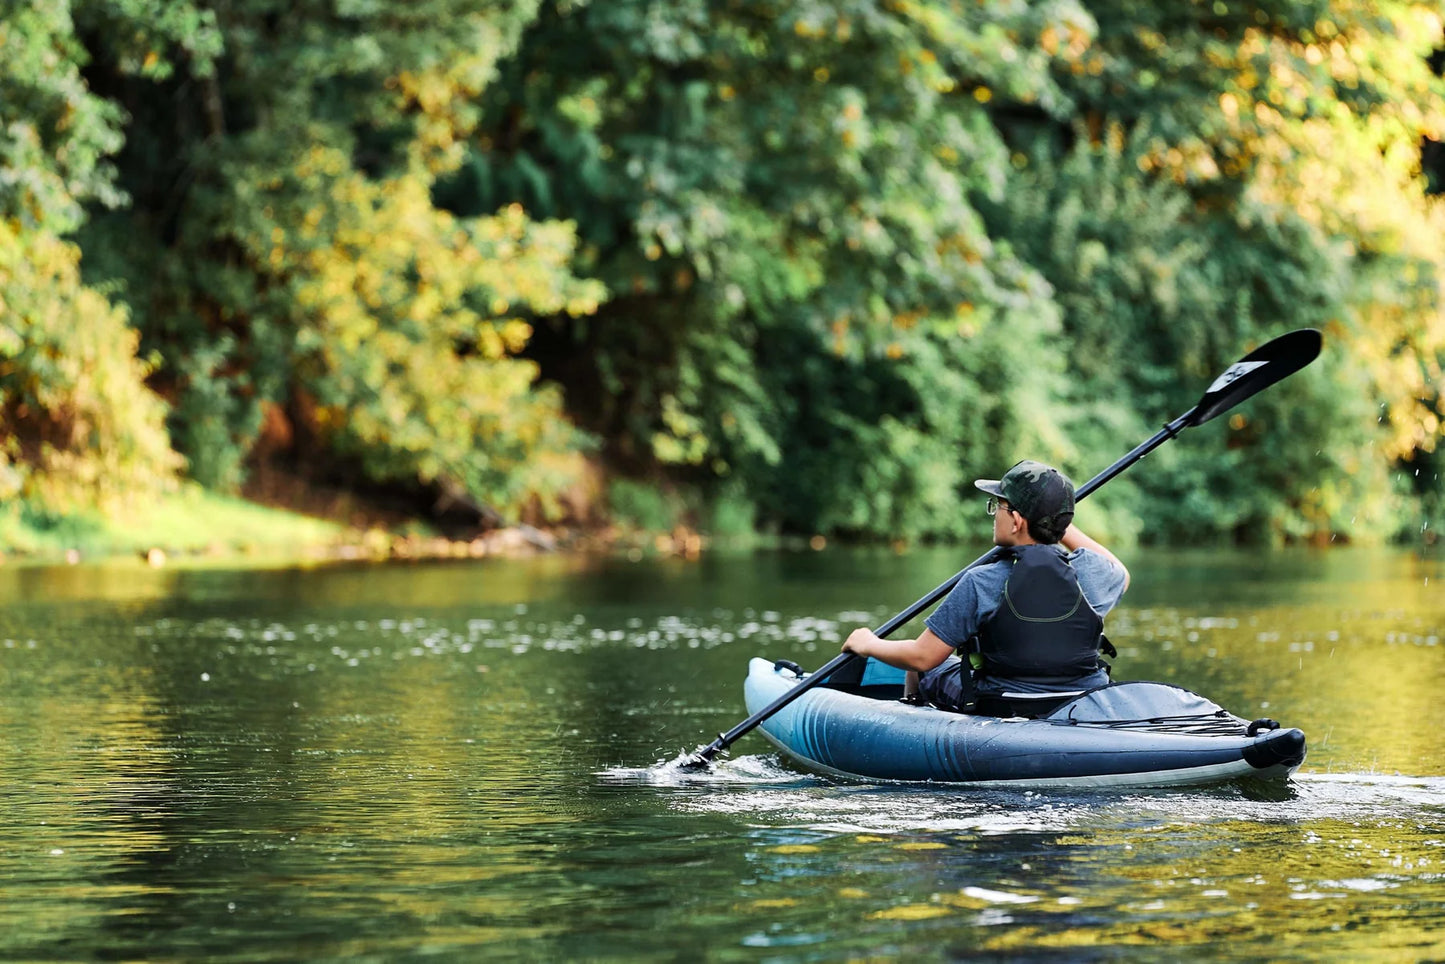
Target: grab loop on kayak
point(1255, 728)
point(797, 670)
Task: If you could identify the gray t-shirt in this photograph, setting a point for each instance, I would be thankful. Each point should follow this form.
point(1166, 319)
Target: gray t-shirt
point(973, 600)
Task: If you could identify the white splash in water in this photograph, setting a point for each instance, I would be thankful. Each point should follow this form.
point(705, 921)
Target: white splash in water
point(766, 793)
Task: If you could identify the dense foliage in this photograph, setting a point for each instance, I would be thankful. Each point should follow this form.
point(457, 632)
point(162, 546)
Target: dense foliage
point(808, 267)
point(79, 431)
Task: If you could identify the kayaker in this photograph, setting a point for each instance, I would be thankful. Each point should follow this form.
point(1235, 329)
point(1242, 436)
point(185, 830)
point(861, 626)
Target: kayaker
point(1026, 631)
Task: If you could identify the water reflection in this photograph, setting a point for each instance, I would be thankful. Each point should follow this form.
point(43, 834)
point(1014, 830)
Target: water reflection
point(462, 759)
point(1083, 872)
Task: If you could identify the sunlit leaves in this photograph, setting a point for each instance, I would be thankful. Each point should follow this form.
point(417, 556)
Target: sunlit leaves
point(763, 183)
point(78, 428)
point(320, 280)
point(1293, 132)
point(54, 133)
point(846, 253)
point(410, 321)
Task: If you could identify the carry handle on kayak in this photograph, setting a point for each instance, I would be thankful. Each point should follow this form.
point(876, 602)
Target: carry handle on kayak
point(1252, 374)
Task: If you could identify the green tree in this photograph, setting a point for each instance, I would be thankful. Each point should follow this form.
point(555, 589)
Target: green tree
point(782, 199)
point(1233, 171)
point(284, 259)
point(79, 431)
point(822, 262)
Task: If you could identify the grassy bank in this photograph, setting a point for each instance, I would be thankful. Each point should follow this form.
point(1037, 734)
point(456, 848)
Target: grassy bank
point(191, 524)
point(198, 527)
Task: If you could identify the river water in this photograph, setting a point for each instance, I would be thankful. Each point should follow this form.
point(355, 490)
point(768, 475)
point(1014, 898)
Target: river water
point(471, 761)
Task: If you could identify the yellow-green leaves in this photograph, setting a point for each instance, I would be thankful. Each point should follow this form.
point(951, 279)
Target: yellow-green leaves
point(80, 430)
point(409, 322)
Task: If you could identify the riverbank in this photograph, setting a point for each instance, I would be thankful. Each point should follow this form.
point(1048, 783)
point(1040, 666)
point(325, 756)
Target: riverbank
point(197, 527)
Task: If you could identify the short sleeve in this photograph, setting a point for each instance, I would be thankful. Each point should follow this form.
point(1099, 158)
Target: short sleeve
point(965, 608)
point(1101, 579)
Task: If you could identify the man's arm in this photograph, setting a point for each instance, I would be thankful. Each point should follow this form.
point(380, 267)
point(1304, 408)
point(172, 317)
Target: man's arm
point(921, 654)
point(1074, 538)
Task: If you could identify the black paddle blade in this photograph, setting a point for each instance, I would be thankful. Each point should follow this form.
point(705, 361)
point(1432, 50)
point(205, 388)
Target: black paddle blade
point(1257, 371)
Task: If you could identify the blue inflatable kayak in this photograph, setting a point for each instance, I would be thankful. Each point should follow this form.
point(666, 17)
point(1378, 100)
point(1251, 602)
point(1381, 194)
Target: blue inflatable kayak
point(1122, 735)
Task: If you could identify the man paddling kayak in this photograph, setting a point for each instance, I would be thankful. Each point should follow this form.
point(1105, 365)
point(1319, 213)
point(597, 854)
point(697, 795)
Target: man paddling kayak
point(1030, 625)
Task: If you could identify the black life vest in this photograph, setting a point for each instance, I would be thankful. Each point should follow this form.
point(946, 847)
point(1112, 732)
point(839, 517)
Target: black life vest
point(1044, 630)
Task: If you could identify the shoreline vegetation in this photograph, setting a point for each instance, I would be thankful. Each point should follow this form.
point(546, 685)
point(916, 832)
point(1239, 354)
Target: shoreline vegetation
point(633, 273)
point(197, 527)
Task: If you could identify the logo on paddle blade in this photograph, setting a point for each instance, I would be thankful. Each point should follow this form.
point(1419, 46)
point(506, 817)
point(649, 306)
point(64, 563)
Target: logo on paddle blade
point(1233, 374)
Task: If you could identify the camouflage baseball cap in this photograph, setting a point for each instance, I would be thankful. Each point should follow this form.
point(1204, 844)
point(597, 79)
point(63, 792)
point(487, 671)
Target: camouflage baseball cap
point(1040, 493)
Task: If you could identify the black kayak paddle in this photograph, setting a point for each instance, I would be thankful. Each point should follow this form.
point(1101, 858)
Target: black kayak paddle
point(1250, 375)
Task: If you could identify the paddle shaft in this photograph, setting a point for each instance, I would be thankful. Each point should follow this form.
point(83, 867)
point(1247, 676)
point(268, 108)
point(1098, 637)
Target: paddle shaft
point(725, 740)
